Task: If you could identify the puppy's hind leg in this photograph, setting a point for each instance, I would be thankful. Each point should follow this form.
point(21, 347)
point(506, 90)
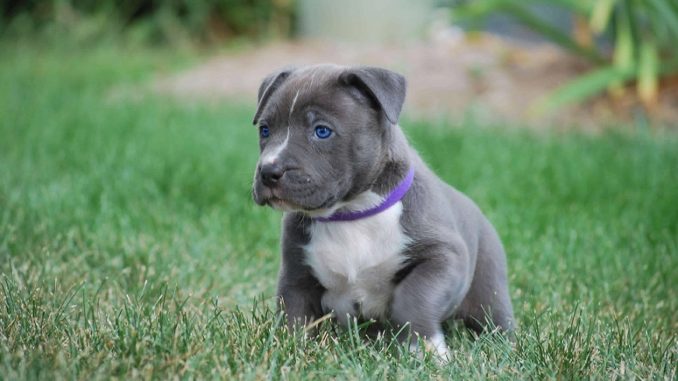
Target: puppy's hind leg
point(488, 298)
point(424, 297)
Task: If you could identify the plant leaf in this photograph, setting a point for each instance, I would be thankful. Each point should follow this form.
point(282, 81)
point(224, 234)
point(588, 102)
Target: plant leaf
point(648, 72)
point(668, 13)
point(582, 87)
point(623, 46)
point(548, 31)
point(600, 15)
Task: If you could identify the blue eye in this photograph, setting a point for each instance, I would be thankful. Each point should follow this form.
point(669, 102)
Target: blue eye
point(323, 132)
point(264, 132)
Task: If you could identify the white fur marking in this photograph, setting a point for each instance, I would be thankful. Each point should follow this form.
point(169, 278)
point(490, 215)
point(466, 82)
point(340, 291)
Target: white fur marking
point(271, 156)
point(435, 344)
point(355, 261)
point(439, 346)
point(294, 102)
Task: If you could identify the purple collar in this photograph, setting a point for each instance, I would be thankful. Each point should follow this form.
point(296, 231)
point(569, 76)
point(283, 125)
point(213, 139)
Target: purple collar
point(396, 195)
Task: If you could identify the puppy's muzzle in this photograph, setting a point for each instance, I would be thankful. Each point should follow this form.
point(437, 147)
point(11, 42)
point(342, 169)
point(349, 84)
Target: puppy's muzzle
point(271, 174)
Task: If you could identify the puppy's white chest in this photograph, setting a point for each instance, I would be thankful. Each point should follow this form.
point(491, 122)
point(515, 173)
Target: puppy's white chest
point(356, 261)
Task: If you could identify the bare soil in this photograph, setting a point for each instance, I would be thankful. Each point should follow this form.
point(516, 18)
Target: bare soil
point(483, 77)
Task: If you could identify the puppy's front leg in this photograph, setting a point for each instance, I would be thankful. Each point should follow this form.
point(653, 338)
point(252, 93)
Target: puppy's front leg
point(299, 292)
point(300, 302)
point(428, 294)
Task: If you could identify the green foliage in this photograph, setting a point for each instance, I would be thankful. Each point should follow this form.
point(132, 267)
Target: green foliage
point(150, 21)
point(130, 247)
point(644, 33)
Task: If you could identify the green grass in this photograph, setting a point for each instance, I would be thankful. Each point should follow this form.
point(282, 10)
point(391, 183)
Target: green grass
point(130, 247)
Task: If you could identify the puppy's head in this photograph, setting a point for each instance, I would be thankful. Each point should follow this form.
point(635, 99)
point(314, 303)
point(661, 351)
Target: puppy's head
point(323, 132)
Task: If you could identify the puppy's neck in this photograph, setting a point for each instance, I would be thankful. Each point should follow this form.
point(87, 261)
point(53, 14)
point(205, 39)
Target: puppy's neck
point(394, 165)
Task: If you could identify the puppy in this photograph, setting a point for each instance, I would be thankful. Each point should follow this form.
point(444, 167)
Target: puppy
point(369, 232)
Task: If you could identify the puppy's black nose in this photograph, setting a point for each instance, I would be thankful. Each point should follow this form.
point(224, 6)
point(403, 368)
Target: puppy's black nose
point(270, 174)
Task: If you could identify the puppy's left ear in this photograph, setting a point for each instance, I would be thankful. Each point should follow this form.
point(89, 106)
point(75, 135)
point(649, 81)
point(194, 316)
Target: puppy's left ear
point(268, 86)
point(386, 88)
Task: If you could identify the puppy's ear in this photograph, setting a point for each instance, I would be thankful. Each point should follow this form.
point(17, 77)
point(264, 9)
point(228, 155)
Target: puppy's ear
point(270, 84)
point(385, 88)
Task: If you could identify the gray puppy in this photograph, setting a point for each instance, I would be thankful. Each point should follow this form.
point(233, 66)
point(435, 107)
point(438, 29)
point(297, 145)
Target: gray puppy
point(368, 230)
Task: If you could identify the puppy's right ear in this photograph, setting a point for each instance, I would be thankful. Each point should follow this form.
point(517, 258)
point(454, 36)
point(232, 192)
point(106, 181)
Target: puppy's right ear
point(270, 84)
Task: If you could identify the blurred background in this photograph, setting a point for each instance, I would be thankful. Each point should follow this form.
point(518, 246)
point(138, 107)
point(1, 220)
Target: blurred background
point(130, 246)
point(565, 62)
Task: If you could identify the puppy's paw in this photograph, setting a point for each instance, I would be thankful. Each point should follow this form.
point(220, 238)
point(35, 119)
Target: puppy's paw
point(435, 345)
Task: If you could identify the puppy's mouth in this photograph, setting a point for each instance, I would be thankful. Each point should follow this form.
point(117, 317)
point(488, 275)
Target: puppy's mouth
point(275, 199)
point(289, 206)
point(284, 205)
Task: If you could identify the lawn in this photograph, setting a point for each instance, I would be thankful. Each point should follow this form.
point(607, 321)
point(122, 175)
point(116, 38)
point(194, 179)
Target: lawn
point(130, 246)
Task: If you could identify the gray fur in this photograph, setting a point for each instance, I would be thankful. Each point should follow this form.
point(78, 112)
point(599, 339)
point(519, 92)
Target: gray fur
point(454, 265)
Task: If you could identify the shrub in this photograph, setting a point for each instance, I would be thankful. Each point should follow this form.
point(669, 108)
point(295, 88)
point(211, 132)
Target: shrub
point(153, 20)
point(643, 35)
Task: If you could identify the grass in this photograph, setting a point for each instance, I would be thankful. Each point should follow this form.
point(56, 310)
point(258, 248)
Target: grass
point(130, 247)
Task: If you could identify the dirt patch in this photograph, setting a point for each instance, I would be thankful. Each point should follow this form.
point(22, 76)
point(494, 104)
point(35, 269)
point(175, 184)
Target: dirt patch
point(485, 77)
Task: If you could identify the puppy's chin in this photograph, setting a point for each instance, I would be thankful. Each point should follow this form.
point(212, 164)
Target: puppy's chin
point(288, 206)
point(283, 205)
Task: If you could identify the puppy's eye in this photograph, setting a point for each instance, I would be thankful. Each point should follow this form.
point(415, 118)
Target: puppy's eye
point(264, 132)
point(323, 132)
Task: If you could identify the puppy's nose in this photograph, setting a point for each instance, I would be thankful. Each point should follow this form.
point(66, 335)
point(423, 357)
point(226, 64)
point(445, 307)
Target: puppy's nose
point(270, 174)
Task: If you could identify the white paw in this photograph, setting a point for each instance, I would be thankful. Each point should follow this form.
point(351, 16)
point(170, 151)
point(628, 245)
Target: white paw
point(435, 345)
